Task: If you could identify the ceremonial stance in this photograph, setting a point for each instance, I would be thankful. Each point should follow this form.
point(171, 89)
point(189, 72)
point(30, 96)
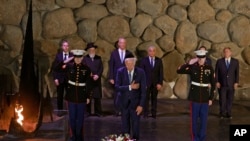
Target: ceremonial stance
point(60, 77)
point(153, 68)
point(227, 79)
point(94, 62)
point(131, 83)
point(116, 61)
point(201, 93)
point(77, 95)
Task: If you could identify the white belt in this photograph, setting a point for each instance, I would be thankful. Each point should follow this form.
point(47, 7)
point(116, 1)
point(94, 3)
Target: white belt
point(199, 84)
point(76, 84)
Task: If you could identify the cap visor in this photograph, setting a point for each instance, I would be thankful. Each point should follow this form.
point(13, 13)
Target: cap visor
point(203, 56)
point(78, 56)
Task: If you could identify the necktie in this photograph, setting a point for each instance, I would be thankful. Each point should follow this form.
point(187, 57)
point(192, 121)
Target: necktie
point(227, 63)
point(130, 76)
point(122, 56)
point(65, 56)
point(152, 62)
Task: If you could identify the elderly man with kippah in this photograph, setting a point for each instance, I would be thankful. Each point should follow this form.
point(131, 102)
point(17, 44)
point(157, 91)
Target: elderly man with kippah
point(131, 83)
point(201, 92)
point(77, 95)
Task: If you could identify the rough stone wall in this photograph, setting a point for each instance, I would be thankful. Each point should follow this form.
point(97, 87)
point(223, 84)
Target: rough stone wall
point(175, 27)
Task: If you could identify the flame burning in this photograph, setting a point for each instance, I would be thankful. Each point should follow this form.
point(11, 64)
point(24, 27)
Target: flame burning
point(18, 110)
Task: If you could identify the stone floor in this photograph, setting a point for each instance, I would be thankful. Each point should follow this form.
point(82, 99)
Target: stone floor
point(171, 124)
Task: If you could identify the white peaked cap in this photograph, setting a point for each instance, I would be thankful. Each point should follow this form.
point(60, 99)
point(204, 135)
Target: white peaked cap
point(78, 52)
point(200, 52)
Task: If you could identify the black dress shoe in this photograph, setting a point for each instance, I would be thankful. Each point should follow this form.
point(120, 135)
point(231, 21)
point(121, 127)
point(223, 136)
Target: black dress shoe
point(154, 116)
point(223, 116)
point(97, 114)
point(229, 116)
point(117, 114)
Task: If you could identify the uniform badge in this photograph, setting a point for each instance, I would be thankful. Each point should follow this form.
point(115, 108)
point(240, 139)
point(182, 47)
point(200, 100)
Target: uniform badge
point(207, 71)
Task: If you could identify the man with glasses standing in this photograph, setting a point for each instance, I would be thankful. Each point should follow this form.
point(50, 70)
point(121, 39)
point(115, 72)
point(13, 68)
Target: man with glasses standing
point(59, 75)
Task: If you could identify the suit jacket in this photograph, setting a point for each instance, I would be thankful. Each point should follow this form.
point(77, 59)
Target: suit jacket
point(227, 77)
point(154, 75)
point(136, 97)
point(115, 63)
point(59, 73)
point(96, 67)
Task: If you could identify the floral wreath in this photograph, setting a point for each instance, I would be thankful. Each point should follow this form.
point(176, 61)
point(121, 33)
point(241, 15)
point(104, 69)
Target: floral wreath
point(114, 137)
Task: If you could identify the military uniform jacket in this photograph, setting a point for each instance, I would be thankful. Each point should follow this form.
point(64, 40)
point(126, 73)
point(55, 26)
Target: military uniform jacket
point(78, 75)
point(199, 75)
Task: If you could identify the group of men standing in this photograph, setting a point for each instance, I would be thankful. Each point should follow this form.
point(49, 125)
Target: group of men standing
point(133, 86)
point(136, 86)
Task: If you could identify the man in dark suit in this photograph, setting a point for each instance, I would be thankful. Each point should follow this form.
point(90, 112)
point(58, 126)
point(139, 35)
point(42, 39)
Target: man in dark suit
point(227, 79)
point(153, 68)
point(116, 61)
point(94, 62)
point(131, 83)
point(59, 75)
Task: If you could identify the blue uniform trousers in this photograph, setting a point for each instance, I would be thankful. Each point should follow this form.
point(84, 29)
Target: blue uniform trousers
point(199, 114)
point(76, 118)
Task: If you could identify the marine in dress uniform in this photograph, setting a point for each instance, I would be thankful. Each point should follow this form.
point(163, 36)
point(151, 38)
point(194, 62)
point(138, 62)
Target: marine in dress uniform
point(77, 95)
point(201, 93)
point(94, 62)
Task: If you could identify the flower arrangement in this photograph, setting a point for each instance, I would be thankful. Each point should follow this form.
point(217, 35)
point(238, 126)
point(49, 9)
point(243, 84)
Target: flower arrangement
point(114, 137)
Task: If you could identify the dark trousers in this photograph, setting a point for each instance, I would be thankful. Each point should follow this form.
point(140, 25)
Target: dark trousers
point(199, 114)
point(76, 118)
point(130, 121)
point(97, 106)
point(60, 94)
point(151, 95)
point(117, 102)
point(226, 95)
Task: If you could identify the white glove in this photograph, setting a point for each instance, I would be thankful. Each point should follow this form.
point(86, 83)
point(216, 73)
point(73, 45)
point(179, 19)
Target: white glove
point(192, 61)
